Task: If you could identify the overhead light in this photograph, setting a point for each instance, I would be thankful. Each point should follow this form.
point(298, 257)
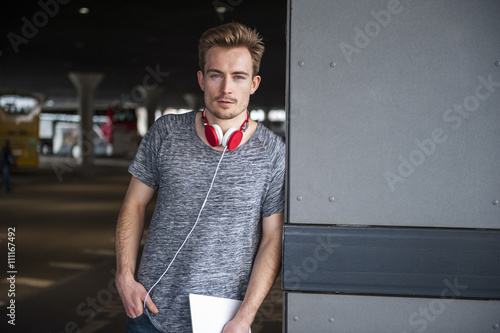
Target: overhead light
point(257, 115)
point(277, 115)
point(84, 10)
point(221, 9)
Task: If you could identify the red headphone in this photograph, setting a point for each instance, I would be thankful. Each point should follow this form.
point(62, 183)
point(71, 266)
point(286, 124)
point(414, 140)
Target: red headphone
point(231, 139)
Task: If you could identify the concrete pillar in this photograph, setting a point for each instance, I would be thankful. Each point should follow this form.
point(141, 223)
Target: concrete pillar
point(85, 84)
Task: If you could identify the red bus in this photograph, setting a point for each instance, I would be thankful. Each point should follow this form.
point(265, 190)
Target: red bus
point(120, 130)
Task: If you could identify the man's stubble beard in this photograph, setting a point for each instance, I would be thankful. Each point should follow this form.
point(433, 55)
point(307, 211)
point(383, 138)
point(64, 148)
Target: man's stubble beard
point(223, 115)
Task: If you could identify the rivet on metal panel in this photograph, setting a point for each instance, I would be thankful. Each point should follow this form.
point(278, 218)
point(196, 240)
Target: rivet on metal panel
point(295, 318)
point(331, 199)
point(301, 63)
point(333, 64)
point(299, 198)
point(331, 320)
point(496, 326)
point(496, 202)
point(497, 63)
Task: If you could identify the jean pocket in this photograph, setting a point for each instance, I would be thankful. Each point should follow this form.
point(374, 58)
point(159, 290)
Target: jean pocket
point(136, 319)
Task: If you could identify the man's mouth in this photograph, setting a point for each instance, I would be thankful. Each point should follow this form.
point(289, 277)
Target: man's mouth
point(225, 101)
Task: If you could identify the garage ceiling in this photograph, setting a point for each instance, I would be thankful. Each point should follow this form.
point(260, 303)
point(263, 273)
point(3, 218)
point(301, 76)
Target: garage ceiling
point(42, 41)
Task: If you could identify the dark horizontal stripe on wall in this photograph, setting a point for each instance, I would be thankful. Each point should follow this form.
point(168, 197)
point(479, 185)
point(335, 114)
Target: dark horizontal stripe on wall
point(455, 263)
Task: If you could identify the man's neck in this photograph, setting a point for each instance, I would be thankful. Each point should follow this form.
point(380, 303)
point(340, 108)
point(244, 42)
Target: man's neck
point(225, 124)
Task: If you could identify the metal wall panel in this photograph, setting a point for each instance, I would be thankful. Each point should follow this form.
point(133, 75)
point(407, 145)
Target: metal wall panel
point(394, 113)
point(392, 261)
point(358, 314)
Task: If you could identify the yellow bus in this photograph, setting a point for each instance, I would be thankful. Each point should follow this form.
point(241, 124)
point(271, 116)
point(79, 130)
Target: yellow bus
point(19, 123)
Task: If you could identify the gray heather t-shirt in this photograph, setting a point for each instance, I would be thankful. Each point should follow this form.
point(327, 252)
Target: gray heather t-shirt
point(217, 258)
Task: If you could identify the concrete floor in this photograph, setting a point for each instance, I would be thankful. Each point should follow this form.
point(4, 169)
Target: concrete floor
point(64, 219)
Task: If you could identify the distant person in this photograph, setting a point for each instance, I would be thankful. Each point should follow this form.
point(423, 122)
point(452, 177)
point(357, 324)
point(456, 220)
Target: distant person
point(7, 161)
point(230, 247)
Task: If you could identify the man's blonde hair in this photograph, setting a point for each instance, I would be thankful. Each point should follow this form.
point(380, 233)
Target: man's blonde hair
point(232, 35)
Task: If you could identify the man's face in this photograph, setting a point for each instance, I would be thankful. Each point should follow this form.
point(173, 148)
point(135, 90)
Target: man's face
point(227, 81)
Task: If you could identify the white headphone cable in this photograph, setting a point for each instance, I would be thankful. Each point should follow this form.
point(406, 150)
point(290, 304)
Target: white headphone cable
point(192, 229)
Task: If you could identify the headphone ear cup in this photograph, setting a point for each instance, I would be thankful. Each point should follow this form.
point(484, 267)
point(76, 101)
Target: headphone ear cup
point(232, 139)
point(213, 134)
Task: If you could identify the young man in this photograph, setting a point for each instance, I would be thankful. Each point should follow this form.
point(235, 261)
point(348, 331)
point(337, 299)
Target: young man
point(221, 206)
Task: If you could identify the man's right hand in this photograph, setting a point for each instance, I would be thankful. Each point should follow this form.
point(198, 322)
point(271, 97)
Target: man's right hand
point(133, 294)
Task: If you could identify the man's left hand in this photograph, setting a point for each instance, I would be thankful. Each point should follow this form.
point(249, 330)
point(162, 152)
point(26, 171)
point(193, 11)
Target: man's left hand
point(234, 327)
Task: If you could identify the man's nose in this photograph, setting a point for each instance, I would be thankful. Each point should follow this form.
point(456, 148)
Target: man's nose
point(227, 86)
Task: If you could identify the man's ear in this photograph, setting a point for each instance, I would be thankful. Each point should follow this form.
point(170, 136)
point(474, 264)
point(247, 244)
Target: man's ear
point(255, 84)
point(201, 80)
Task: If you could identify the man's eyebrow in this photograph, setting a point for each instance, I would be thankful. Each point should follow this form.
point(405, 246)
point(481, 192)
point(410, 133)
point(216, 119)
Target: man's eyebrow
point(213, 70)
point(240, 73)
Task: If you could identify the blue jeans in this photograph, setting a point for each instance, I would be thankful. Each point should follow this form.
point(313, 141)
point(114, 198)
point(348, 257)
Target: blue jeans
point(140, 324)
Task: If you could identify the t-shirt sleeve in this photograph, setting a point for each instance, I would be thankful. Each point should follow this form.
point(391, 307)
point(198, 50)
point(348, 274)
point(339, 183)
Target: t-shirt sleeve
point(144, 165)
point(274, 201)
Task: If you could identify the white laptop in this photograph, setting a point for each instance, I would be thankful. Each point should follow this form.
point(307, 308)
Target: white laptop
point(209, 314)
